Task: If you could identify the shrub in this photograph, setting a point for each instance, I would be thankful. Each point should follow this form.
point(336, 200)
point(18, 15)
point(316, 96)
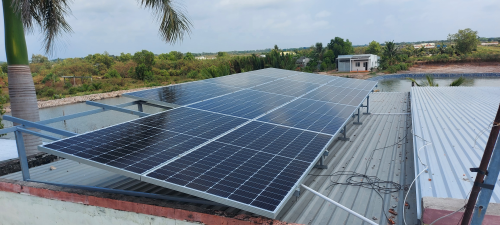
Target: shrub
point(68, 85)
point(49, 92)
point(193, 74)
point(73, 90)
point(112, 73)
point(97, 85)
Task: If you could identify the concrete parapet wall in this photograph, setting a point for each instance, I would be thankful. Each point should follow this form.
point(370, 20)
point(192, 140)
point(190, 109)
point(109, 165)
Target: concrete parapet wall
point(435, 208)
point(35, 203)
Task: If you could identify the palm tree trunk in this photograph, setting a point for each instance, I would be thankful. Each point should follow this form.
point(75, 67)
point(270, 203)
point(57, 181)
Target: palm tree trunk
point(21, 87)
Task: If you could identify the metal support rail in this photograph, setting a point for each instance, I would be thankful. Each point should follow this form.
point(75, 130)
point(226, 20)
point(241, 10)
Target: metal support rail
point(41, 125)
point(104, 106)
point(487, 187)
point(339, 205)
point(133, 193)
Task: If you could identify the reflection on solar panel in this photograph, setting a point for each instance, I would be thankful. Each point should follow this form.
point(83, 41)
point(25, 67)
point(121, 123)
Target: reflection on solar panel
point(245, 140)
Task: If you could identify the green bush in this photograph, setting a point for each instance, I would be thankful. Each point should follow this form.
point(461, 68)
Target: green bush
point(68, 85)
point(49, 92)
point(97, 85)
point(73, 90)
point(193, 74)
point(112, 73)
point(49, 77)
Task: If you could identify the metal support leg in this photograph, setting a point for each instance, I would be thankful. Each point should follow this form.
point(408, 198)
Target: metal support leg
point(21, 151)
point(139, 107)
point(367, 106)
point(358, 123)
point(344, 132)
point(320, 165)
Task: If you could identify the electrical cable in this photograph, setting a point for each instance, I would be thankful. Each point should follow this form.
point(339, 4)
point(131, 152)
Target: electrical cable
point(370, 182)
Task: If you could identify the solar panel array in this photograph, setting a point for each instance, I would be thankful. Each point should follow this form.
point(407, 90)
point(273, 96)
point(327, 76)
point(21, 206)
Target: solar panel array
point(244, 140)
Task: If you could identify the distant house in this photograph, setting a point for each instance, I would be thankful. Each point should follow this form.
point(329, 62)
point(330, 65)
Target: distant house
point(200, 57)
point(302, 61)
point(491, 43)
point(357, 63)
point(425, 45)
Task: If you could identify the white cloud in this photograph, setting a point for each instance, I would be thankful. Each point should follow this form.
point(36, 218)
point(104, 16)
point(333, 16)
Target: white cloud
point(323, 14)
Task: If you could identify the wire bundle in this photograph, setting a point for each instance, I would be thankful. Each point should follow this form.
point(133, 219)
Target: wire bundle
point(362, 180)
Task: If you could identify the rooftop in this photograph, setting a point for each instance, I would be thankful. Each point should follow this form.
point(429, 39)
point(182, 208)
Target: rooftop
point(388, 125)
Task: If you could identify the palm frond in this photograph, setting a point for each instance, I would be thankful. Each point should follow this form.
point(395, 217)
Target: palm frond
point(414, 81)
point(172, 17)
point(430, 80)
point(458, 82)
point(49, 15)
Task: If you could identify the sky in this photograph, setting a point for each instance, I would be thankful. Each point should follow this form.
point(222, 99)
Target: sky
point(119, 26)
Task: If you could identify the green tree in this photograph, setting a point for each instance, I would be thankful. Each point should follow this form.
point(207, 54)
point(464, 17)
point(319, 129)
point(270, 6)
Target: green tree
point(175, 55)
point(340, 47)
point(465, 40)
point(49, 16)
point(124, 57)
point(39, 58)
point(389, 52)
point(374, 48)
point(189, 56)
point(222, 54)
point(144, 57)
point(5, 67)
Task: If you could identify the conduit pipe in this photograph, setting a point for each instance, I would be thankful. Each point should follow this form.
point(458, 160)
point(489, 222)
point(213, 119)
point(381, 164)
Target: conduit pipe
point(339, 205)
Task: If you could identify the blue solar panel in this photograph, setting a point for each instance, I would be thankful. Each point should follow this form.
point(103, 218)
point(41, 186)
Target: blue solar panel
point(319, 116)
point(183, 94)
point(247, 103)
point(312, 78)
point(287, 87)
point(243, 80)
point(346, 96)
point(247, 165)
point(244, 140)
point(142, 144)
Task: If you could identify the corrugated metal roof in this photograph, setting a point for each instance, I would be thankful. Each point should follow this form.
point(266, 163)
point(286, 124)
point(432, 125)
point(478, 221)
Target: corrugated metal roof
point(451, 118)
point(389, 123)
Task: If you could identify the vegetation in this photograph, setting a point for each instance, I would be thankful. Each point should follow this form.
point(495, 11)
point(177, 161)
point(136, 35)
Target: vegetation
point(49, 17)
point(430, 81)
point(465, 40)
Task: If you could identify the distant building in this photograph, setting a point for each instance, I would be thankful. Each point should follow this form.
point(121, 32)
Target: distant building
point(490, 43)
point(302, 61)
point(357, 63)
point(425, 45)
point(262, 56)
point(200, 57)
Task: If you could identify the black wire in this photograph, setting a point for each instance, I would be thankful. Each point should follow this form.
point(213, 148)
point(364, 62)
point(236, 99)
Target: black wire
point(370, 182)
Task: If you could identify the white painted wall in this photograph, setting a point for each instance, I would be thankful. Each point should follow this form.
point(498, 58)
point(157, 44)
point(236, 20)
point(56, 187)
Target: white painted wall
point(24, 209)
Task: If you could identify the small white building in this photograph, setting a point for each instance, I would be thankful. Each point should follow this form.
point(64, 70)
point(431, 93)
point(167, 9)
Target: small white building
point(425, 45)
point(490, 43)
point(357, 63)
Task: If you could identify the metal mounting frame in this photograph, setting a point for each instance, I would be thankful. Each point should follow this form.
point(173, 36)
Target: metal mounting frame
point(42, 125)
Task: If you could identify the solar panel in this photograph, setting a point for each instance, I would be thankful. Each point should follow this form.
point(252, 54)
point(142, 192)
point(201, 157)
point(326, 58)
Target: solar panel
point(182, 94)
point(247, 103)
point(319, 116)
point(245, 140)
point(142, 144)
point(246, 166)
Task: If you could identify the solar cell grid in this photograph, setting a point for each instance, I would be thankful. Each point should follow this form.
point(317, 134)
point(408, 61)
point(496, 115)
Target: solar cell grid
point(324, 117)
point(312, 78)
point(245, 80)
point(256, 173)
point(183, 94)
point(247, 103)
point(287, 87)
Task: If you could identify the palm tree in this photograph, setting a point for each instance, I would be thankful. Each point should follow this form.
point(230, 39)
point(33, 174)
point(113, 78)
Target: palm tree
point(390, 51)
point(49, 16)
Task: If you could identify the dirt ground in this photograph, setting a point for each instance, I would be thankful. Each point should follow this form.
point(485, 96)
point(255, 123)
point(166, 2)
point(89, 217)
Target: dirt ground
point(478, 67)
